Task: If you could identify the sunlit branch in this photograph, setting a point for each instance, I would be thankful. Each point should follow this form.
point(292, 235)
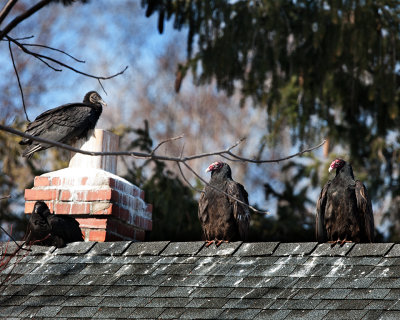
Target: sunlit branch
point(21, 17)
point(6, 9)
point(142, 155)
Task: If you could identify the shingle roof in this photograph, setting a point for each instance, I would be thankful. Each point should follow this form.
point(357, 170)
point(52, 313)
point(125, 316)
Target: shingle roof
point(187, 280)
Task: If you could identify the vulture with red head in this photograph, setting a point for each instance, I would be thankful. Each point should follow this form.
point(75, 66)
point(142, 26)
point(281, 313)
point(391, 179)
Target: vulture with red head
point(222, 218)
point(344, 210)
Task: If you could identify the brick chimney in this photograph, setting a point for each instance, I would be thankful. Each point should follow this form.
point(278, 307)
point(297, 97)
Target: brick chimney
point(107, 207)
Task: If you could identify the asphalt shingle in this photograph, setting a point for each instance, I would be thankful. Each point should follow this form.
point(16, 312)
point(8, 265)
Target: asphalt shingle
point(188, 280)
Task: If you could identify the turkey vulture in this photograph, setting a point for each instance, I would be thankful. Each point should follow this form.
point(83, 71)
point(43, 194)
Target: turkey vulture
point(65, 124)
point(344, 210)
point(221, 217)
point(49, 229)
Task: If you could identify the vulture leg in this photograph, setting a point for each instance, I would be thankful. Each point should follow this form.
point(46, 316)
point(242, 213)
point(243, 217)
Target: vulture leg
point(333, 243)
point(219, 242)
point(345, 241)
point(209, 242)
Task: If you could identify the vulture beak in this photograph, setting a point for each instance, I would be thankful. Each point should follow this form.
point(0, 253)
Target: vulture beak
point(208, 169)
point(330, 169)
point(103, 102)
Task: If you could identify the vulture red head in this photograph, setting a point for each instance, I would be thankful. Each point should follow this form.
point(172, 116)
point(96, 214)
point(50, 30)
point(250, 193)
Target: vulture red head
point(337, 164)
point(215, 166)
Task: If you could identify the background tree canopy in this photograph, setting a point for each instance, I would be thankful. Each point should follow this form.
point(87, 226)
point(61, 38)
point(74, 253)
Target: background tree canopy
point(288, 74)
point(320, 68)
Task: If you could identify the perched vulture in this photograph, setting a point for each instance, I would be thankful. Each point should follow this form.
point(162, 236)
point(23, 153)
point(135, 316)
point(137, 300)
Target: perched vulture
point(344, 210)
point(65, 124)
point(223, 218)
point(49, 229)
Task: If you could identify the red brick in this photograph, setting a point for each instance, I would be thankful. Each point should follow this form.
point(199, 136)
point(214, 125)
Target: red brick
point(41, 182)
point(139, 235)
point(112, 225)
point(112, 183)
point(40, 194)
point(98, 195)
point(125, 230)
point(148, 225)
point(97, 235)
point(72, 208)
point(142, 194)
point(56, 181)
point(149, 208)
point(124, 214)
point(92, 223)
point(115, 196)
point(113, 237)
point(65, 195)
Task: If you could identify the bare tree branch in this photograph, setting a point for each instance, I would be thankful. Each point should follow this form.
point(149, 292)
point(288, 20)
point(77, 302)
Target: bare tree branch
point(19, 81)
point(54, 49)
point(6, 9)
point(276, 160)
point(177, 160)
point(142, 155)
point(186, 180)
point(17, 20)
point(42, 57)
point(165, 141)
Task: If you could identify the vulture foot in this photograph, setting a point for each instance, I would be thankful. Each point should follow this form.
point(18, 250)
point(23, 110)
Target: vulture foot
point(341, 242)
point(209, 242)
point(219, 242)
point(216, 241)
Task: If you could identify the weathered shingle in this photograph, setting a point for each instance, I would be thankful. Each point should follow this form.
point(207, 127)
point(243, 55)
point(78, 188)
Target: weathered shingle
point(188, 280)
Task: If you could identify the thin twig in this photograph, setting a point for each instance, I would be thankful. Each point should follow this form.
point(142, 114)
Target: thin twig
point(186, 180)
point(19, 81)
point(277, 160)
point(20, 247)
point(42, 57)
point(54, 49)
point(225, 193)
point(165, 141)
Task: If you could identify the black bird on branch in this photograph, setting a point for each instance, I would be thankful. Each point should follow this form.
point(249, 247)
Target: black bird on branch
point(49, 229)
point(223, 218)
point(65, 124)
point(344, 210)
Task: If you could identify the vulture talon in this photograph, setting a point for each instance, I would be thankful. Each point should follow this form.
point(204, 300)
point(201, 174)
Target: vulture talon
point(209, 243)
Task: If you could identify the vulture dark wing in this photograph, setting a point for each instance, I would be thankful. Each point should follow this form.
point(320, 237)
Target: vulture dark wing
point(203, 203)
point(62, 108)
point(65, 227)
point(365, 210)
point(320, 230)
point(240, 212)
point(69, 115)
